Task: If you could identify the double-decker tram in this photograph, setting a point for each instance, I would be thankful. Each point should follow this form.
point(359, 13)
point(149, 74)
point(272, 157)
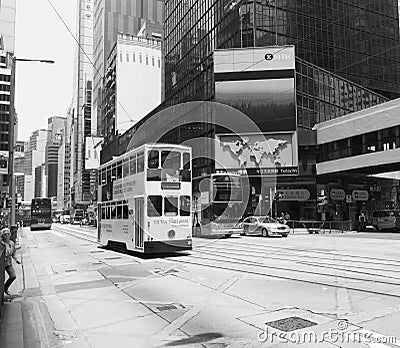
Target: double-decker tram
point(145, 199)
point(218, 205)
point(41, 217)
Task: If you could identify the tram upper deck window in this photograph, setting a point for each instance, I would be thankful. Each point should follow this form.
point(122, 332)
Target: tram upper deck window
point(170, 159)
point(140, 162)
point(186, 161)
point(132, 164)
point(109, 175)
point(153, 159)
point(171, 206)
point(154, 206)
point(125, 168)
point(119, 170)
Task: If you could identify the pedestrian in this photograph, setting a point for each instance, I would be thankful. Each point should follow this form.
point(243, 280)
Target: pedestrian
point(287, 216)
point(362, 221)
point(5, 238)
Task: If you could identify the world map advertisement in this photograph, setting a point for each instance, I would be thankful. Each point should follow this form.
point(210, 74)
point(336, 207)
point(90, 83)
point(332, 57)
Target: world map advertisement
point(272, 153)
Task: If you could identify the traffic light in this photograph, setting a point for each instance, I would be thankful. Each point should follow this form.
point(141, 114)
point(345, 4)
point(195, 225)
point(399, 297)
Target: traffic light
point(278, 196)
point(3, 163)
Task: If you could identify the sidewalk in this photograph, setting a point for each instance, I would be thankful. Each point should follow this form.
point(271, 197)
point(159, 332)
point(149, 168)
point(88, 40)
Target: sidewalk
point(11, 326)
point(26, 321)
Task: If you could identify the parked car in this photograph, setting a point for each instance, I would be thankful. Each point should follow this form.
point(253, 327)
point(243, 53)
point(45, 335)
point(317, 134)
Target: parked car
point(264, 225)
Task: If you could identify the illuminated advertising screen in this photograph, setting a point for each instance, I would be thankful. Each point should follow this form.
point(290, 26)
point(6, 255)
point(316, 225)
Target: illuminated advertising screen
point(260, 82)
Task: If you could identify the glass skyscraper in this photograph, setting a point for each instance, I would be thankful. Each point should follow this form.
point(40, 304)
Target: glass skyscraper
point(356, 42)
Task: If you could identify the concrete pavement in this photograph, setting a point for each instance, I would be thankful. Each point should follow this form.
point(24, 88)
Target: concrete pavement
point(219, 295)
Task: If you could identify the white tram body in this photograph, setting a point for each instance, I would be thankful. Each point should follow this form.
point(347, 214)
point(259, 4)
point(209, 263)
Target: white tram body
point(145, 199)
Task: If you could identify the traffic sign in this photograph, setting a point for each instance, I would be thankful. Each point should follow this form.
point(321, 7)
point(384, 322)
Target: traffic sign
point(360, 195)
point(337, 194)
point(349, 199)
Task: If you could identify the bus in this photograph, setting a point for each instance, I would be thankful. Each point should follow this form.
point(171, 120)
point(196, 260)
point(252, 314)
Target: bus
point(218, 205)
point(386, 219)
point(41, 214)
point(24, 213)
point(145, 199)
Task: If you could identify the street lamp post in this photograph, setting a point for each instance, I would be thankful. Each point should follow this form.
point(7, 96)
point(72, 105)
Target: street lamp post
point(11, 142)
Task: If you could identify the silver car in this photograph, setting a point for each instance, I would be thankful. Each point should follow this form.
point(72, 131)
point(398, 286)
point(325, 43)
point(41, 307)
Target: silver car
point(264, 225)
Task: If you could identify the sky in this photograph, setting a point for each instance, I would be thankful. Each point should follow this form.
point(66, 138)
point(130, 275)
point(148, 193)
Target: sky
point(43, 90)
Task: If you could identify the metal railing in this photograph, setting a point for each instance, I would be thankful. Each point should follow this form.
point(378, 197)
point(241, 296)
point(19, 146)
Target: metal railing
point(2, 271)
point(320, 226)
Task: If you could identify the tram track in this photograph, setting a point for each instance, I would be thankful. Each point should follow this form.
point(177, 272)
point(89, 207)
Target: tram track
point(77, 234)
point(218, 257)
point(215, 264)
point(304, 259)
point(393, 262)
point(343, 257)
point(325, 266)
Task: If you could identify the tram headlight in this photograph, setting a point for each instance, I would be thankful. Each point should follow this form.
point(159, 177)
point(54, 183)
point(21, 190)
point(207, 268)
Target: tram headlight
point(171, 234)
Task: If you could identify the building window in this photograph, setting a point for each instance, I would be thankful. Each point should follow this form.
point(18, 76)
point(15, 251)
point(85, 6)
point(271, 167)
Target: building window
point(152, 60)
point(147, 60)
point(127, 57)
point(140, 58)
point(133, 57)
point(159, 63)
point(120, 57)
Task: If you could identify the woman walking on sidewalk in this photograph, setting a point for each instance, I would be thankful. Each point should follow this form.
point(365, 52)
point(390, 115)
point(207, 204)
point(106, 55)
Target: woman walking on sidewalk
point(5, 239)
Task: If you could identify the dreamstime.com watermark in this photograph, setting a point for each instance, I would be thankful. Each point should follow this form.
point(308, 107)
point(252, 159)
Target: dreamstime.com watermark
point(337, 335)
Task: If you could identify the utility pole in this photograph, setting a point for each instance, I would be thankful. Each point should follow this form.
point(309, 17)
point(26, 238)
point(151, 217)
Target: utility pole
point(11, 141)
point(11, 150)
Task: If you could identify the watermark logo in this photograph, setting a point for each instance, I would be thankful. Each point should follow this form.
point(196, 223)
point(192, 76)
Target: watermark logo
point(340, 334)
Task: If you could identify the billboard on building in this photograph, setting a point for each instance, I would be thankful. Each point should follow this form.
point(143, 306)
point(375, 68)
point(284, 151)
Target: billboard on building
point(3, 162)
point(272, 153)
point(92, 152)
point(260, 82)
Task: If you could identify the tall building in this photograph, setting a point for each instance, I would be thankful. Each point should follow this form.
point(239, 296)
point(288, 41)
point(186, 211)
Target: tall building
point(339, 60)
point(357, 42)
point(7, 25)
point(56, 128)
point(111, 18)
point(7, 43)
point(138, 59)
point(79, 115)
point(35, 156)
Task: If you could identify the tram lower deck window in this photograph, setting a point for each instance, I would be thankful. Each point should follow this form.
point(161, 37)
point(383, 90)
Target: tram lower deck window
point(171, 206)
point(154, 206)
point(184, 209)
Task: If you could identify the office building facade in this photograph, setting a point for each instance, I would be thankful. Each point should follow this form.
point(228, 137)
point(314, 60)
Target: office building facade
point(56, 129)
point(35, 155)
point(79, 114)
point(7, 25)
point(133, 59)
point(110, 18)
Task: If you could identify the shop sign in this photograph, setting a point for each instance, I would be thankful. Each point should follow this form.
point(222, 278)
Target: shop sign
point(299, 195)
point(360, 195)
point(337, 195)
